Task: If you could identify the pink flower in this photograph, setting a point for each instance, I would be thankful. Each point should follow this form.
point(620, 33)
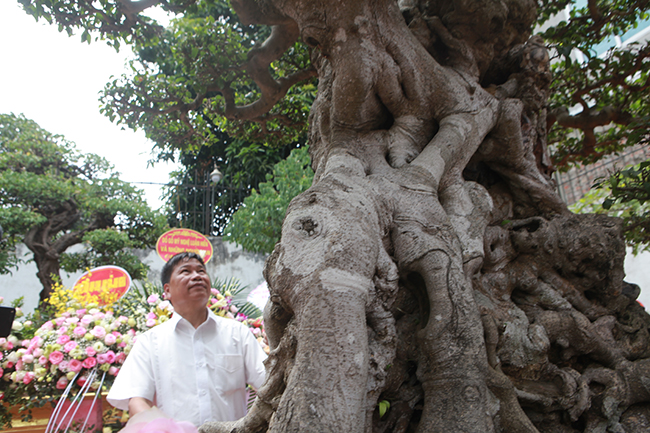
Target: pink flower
point(81, 312)
point(79, 331)
point(25, 343)
point(48, 326)
point(56, 357)
point(106, 358)
point(62, 330)
point(3, 372)
point(9, 365)
point(82, 380)
point(63, 339)
point(86, 320)
point(9, 345)
point(89, 362)
point(69, 346)
point(90, 351)
point(63, 366)
point(152, 299)
point(59, 321)
point(42, 360)
point(98, 332)
point(113, 371)
point(75, 365)
point(38, 352)
point(110, 339)
point(62, 382)
point(120, 357)
point(28, 359)
point(122, 345)
point(29, 376)
point(19, 365)
point(151, 322)
point(151, 315)
point(72, 321)
point(99, 315)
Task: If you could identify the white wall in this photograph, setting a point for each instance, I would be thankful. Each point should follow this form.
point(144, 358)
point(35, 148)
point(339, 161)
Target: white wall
point(228, 261)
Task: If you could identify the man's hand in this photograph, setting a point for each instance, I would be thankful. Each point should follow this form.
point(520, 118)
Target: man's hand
point(139, 404)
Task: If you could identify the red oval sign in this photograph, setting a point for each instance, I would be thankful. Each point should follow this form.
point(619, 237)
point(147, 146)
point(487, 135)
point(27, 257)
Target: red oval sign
point(180, 240)
point(102, 285)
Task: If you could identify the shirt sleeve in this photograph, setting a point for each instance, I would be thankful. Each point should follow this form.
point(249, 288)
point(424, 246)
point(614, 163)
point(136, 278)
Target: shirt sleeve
point(254, 357)
point(135, 378)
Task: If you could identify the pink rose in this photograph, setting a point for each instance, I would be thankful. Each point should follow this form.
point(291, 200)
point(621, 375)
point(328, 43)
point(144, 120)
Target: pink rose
point(59, 321)
point(110, 357)
point(63, 366)
point(81, 312)
point(9, 345)
point(151, 322)
point(28, 359)
point(19, 365)
point(42, 360)
point(89, 362)
point(62, 330)
point(110, 339)
point(113, 371)
point(69, 346)
point(152, 299)
point(56, 357)
point(90, 351)
point(62, 383)
point(86, 320)
point(29, 376)
point(151, 316)
point(122, 345)
point(99, 315)
point(82, 380)
point(101, 358)
point(79, 331)
point(3, 372)
point(63, 339)
point(38, 352)
point(98, 332)
point(75, 365)
point(9, 364)
point(120, 357)
point(48, 326)
point(25, 343)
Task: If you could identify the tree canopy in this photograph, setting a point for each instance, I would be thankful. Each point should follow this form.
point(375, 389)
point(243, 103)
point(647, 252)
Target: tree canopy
point(52, 197)
point(257, 225)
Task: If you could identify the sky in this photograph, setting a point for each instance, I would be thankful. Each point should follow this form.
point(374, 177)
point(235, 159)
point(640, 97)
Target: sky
point(55, 80)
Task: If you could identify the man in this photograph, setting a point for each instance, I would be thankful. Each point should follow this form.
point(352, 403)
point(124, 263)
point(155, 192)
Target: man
point(195, 366)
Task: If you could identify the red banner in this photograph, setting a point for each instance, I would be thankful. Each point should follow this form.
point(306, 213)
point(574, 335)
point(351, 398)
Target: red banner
point(180, 240)
point(102, 286)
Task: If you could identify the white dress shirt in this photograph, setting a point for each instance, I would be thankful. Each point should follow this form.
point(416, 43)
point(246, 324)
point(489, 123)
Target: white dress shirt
point(194, 375)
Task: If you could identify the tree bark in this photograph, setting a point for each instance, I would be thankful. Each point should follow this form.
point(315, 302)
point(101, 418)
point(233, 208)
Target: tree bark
point(431, 264)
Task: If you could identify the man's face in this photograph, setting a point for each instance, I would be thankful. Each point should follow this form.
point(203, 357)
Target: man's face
point(189, 287)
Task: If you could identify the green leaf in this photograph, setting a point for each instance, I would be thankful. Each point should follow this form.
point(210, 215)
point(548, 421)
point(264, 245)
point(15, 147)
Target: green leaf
point(383, 405)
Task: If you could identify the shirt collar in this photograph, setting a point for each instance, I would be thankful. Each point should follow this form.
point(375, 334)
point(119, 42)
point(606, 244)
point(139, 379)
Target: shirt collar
point(180, 323)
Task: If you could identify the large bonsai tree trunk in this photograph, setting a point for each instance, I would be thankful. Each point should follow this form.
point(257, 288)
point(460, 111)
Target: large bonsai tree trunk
point(432, 265)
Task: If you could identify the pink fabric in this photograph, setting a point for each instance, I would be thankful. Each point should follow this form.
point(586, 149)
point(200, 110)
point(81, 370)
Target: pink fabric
point(155, 421)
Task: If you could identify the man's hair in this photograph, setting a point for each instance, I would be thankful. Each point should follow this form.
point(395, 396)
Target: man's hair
point(176, 260)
